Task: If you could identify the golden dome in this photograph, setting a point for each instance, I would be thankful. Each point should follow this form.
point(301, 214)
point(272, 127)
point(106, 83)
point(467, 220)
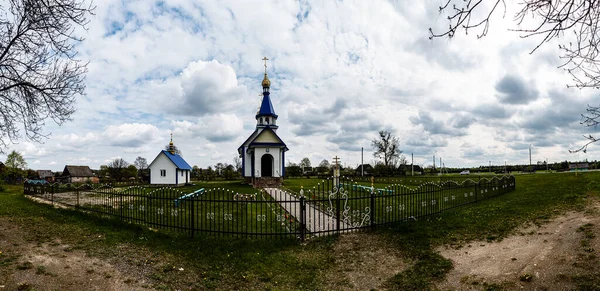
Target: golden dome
point(266, 82)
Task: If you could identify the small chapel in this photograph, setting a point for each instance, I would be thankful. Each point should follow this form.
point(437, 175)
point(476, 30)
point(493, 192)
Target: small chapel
point(169, 168)
point(263, 153)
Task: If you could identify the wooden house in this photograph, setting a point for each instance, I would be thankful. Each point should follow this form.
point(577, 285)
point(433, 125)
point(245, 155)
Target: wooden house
point(46, 175)
point(78, 174)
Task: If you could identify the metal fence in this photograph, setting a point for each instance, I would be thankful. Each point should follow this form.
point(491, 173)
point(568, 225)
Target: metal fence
point(325, 209)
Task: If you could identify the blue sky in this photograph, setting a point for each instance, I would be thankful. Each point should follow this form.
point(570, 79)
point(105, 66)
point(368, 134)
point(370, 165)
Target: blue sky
point(340, 71)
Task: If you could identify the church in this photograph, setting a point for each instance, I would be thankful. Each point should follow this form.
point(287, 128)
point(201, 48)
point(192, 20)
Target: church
point(263, 153)
point(169, 168)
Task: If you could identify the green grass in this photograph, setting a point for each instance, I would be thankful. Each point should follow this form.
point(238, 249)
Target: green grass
point(537, 199)
point(218, 262)
point(230, 263)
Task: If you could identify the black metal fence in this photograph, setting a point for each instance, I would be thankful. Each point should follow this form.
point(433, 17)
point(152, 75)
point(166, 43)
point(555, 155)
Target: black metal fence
point(323, 210)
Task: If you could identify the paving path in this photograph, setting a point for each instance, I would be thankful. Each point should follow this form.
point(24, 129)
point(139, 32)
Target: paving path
point(316, 220)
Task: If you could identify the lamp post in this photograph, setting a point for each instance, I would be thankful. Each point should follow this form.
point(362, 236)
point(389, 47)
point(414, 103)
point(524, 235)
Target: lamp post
point(434, 152)
point(362, 163)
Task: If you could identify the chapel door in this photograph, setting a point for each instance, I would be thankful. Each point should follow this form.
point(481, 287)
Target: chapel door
point(266, 165)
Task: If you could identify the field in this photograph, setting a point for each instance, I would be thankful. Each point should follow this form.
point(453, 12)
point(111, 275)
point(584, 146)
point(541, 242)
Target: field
point(44, 248)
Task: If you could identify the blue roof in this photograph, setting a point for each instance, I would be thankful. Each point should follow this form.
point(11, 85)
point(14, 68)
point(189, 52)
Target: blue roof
point(177, 160)
point(266, 108)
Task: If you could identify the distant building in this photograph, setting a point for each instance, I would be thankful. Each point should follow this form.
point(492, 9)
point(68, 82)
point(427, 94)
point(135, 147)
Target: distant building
point(169, 168)
point(46, 175)
point(364, 169)
point(78, 174)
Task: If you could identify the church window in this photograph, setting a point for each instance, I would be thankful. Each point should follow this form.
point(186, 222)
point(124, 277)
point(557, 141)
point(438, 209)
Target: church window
point(163, 173)
point(267, 150)
point(267, 120)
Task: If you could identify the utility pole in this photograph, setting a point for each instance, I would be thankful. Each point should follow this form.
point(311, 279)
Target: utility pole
point(434, 163)
point(412, 164)
point(362, 164)
point(530, 156)
point(441, 166)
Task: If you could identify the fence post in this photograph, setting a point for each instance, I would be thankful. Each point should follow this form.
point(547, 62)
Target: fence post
point(302, 218)
point(372, 209)
point(192, 216)
point(337, 210)
point(121, 202)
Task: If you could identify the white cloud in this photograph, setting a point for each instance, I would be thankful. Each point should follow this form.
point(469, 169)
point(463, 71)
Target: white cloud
point(340, 72)
point(130, 135)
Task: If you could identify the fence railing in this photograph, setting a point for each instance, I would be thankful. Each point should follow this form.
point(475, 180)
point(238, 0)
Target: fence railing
point(326, 209)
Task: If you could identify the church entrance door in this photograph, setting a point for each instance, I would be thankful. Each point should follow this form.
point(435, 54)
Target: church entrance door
point(266, 164)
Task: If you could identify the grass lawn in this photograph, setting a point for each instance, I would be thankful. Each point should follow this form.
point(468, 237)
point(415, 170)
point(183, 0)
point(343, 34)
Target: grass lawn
point(285, 264)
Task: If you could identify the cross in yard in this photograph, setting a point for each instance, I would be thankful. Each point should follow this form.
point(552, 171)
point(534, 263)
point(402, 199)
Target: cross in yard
point(336, 160)
point(265, 59)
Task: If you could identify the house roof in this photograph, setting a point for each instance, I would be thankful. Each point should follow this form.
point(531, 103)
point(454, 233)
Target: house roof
point(251, 139)
point(176, 159)
point(367, 167)
point(266, 108)
point(77, 171)
point(45, 173)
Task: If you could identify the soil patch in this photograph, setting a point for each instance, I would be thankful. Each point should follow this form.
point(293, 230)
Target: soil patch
point(30, 265)
point(363, 262)
point(536, 257)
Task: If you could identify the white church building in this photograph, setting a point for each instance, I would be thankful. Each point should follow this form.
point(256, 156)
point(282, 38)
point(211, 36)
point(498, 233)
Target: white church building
point(169, 168)
point(263, 153)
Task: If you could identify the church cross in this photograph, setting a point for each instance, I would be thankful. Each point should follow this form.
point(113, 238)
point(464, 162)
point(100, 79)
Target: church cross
point(336, 160)
point(171, 136)
point(265, 59)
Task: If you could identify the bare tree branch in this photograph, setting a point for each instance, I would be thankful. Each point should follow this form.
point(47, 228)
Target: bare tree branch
point(40, 75)
point(552, 18)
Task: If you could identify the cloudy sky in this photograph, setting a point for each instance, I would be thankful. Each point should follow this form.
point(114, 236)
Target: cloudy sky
point(340, 72)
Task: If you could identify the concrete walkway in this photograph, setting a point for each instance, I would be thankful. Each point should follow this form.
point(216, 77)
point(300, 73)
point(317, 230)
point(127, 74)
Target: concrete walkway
point(316, 220)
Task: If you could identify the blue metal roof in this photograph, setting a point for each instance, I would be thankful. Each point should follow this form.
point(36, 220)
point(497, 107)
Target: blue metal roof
point(266, 108)
point(177, 160)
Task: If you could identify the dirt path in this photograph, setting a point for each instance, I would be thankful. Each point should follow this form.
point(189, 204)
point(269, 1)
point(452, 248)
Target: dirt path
point(29, 265)
point(550, 253)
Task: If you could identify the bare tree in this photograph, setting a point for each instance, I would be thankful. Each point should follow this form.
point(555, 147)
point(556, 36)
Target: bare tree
point(551, 19)
point(237, 162)
point(305, 163)
point(175, 149)
point(40, 74)
point(387, 147)
point(141, 164)
point(324, 163)
point(116, 168)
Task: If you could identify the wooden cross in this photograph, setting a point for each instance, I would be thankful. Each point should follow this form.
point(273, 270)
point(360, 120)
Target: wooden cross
point(265, 59)
point(336, 160)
